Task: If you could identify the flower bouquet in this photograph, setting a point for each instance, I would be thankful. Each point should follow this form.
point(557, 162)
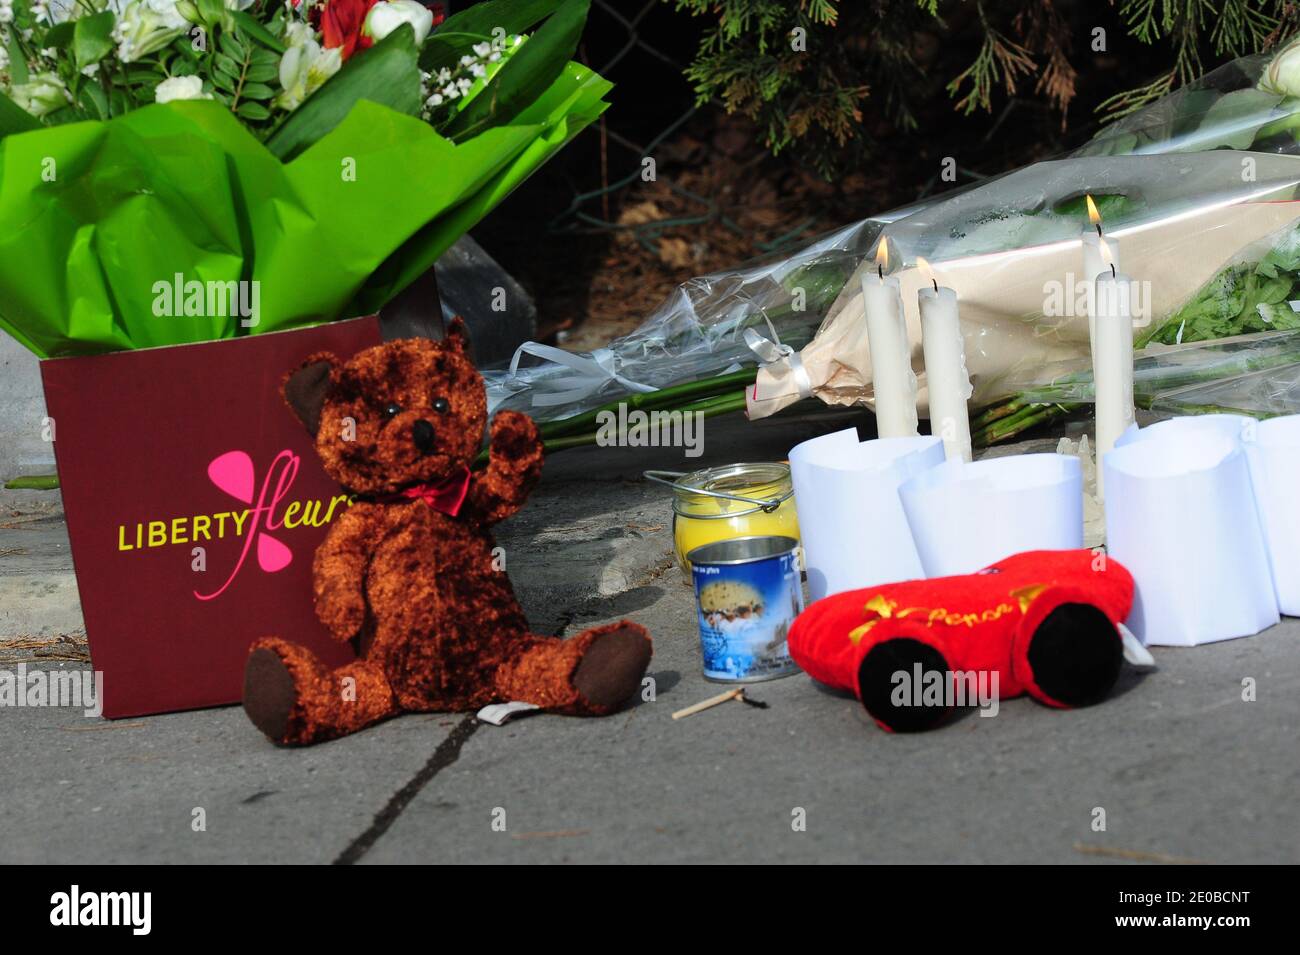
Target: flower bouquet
point(1198, 192)
point(176, 171)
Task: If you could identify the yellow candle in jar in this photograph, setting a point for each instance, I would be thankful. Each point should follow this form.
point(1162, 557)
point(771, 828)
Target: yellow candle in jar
point(760, 503)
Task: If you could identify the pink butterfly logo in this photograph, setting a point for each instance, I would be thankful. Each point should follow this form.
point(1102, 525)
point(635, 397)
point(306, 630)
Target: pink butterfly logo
point(233, 473)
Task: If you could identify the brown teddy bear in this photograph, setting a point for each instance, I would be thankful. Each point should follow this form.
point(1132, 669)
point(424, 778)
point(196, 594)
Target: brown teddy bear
point(408, 570)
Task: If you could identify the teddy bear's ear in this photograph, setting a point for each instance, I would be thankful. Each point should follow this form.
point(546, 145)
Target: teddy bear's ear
point(306, 388)
point(457, 335)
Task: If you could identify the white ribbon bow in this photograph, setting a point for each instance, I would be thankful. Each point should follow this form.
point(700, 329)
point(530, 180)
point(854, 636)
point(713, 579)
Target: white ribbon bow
point(770, 352)
point(592, 372)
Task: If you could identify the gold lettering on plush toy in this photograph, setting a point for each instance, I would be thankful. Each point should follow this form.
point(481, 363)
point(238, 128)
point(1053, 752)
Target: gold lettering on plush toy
point(881, 607)
point(1026, 595)
point(884, 609)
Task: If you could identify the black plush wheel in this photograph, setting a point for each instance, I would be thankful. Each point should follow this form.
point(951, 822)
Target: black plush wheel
point(877, 683)
point(1075, 655)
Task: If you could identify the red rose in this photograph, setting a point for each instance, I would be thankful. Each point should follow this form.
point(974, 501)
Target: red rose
point(341, 22)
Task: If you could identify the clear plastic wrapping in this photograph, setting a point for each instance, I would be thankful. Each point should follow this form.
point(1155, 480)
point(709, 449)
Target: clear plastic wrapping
point(1197, 192)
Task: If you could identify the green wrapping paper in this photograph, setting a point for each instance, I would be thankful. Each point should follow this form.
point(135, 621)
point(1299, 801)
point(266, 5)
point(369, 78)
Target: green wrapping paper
point(93, 215)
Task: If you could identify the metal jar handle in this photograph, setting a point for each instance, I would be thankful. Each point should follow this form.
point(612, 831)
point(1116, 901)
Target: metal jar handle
point(666, 477)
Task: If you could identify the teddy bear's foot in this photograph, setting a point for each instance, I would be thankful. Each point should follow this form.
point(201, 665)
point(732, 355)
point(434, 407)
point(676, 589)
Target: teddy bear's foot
point(611, 668)
point(295, 700)
point(591, 674)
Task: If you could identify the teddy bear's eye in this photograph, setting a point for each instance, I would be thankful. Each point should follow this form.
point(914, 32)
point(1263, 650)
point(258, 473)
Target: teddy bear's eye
point(441, 405)
point(392, 409)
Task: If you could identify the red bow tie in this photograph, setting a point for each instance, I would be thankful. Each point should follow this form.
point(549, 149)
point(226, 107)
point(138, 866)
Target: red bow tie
point(446, 495)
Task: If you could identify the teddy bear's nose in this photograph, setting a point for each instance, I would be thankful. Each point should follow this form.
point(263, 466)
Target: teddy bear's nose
point(422, 435)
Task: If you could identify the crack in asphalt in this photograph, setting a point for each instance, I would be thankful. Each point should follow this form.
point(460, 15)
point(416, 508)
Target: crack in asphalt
point(449, 749)
point(448, 752)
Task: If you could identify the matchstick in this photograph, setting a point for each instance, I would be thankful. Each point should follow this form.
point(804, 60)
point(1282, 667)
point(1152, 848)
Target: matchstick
point(711, 701)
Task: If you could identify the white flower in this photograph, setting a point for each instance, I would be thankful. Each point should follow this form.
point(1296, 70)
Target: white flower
point(482, 49)
point(387, 15)
point(180, 87)
point(298, 33)
point(6, 11)
point(4, 61)
point(90, 69)
point(478, 69)
point(304, 68)
point(145, 26)
point(1283, 74)
point(434, 100)
point(42, 93)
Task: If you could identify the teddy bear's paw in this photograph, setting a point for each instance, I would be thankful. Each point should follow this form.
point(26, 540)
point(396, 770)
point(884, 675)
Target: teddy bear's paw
point(611, 667)
point(269, 693)
point(342, 610)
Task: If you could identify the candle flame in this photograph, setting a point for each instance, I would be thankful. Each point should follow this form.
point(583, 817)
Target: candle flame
point(1106, 257)
point(1093, 215)
point(882, 255)
point(926, 272)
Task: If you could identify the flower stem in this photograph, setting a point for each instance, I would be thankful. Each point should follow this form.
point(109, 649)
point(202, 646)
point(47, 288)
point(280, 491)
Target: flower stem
point(707, 407)
point(653, 399)
point(1018, 423)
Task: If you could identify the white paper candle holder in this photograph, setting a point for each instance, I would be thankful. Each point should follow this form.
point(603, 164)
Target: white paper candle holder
point(1181, 516)
point(1274, 456)
point(1230, 425)
point(851, 523)
point(965, 516)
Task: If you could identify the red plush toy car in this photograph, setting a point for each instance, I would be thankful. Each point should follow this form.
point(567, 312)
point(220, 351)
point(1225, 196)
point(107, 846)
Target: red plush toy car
point(1043, 622)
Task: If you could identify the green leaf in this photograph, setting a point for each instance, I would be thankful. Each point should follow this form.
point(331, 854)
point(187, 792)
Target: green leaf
point(388, 74)
point(226, 64)
point(117, 102)
point(94, 101)
point(255, 30)
point(232, 47)
point(224, 82)
point(15, 119)
point(17, 61)
point(1234, 119)
point(512, 16)
point(92, 38)
point(261, 72)
point(257, 91)
point(443, 50)
point(255, 111)
point(211, 12)
point(458, 33)
point(143, 74)
point(59, 36)
point(528, 71)
point(1111, 206)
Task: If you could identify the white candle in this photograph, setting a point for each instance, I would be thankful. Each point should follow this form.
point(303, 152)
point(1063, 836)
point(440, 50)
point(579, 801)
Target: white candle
point(1095, 260)
point(1112, 363)
point(946, 379)
point(891, 355)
